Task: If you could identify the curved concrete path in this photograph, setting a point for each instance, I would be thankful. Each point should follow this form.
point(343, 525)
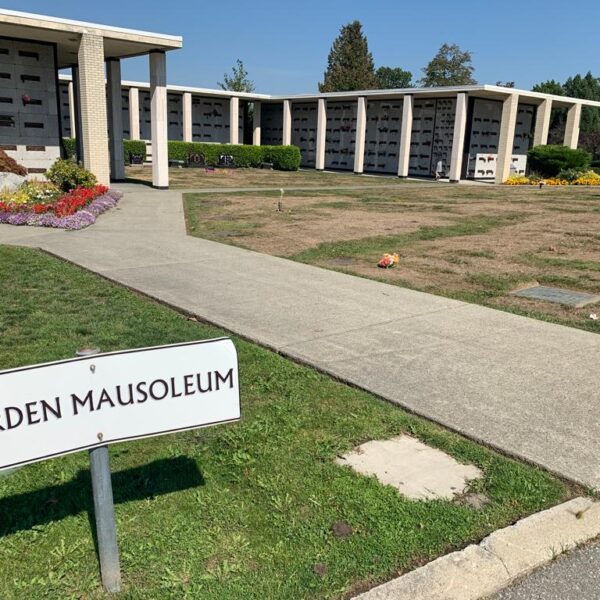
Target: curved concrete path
point(527, 387)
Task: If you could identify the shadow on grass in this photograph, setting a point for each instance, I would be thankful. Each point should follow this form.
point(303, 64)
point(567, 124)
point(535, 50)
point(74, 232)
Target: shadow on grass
point(33, 509)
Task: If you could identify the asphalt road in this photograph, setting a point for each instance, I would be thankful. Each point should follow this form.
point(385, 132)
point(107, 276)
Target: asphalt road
point(572, 576)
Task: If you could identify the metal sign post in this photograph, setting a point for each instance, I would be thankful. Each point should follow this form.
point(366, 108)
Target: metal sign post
point(93, 400)
point(106, 527)
point(104, 510)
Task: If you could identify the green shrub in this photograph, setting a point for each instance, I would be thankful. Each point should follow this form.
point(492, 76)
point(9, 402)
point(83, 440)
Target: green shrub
point(550, 160)
point(284, 158)
point(70, 146)
point(134, 147)
point(129, 147)
point(10, 165)
point(571, 174)
point(67, 175)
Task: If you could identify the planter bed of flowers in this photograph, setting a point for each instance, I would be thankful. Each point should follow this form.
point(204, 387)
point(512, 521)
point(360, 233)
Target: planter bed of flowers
point(570, 177)
point(74, 210)
point(71, 199)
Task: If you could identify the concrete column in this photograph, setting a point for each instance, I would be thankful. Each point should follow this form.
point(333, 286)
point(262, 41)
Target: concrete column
point(361, 132)
point(506, 142)
point(76, 126)
point(187, 116)
point(405, 135)
point(572, 126)
point(71, 97)
point(286, 138)
point(542, 123)
point(159, 121)
point(134, 113)
point(115, 119)
point(234, 121)
point(256, 123)
point(92, 101)
point(321, 134)
point(458, 140)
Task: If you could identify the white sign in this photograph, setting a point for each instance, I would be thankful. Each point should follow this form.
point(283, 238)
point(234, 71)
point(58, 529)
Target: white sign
point(61, 407)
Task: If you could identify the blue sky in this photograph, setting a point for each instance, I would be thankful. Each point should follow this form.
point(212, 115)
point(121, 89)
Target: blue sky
point(284, 44)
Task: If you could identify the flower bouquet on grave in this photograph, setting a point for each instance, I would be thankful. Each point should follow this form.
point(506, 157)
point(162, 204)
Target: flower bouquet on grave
point(387, 261)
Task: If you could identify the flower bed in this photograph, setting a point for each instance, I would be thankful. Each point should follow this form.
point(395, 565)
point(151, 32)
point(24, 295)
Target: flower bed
point(569, 178)
point(43, 205)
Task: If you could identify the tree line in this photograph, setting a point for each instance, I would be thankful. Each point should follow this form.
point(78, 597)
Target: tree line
point(350, 67)
point(579, 86)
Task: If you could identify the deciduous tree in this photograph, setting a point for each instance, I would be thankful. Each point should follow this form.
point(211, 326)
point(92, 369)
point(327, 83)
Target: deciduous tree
point(389, 78)
point(238, 80)
point(450, 66)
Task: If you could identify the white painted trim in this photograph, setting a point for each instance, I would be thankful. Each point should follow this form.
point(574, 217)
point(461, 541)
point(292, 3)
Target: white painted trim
point(501, 93)
point(86, 26)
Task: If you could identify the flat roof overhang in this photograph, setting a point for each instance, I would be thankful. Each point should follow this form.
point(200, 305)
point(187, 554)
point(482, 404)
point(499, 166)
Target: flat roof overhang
point(492, 92)
point(66, 34)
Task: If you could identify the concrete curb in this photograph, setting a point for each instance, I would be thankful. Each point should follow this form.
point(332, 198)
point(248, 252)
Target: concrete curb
point(483, 569)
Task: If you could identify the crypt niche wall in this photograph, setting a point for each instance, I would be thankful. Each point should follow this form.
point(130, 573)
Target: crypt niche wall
point(382, 136)
point(29, 115)
point(304, 131)
point(340, 135)
point(482, 143)
point(432, 135)
point(271, 123)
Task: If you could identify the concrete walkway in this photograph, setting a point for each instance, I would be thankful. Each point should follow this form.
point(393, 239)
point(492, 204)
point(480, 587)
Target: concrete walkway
point(527, 387)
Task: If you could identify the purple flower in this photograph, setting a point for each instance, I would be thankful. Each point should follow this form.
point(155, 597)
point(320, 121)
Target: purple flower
point(82, 218)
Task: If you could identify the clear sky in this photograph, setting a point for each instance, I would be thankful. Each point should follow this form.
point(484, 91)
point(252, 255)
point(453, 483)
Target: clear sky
point(284, 44)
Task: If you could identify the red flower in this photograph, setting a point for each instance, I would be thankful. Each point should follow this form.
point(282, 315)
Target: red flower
point(64, 206)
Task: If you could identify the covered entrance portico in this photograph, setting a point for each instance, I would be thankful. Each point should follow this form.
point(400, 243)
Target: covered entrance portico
point(97, 97)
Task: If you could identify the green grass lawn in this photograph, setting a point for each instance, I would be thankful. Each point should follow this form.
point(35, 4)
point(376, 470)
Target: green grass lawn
point(474, 243)
point(237, 511)
point(239, 178)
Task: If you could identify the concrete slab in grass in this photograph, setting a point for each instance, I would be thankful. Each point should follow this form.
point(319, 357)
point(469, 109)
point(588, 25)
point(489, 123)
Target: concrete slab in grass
point(415, 469)
point(558, 295)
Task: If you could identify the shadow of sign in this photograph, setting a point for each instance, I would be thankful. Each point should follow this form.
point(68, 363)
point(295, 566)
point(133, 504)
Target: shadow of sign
point(33, 509)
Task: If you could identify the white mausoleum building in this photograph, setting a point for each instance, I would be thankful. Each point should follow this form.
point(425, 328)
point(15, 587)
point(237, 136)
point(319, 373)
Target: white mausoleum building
point(33, 48)
point(476, 132)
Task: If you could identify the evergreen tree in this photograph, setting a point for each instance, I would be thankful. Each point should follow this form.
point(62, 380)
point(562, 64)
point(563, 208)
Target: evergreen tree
point(238, 80)
point(549, 87)
point(350, 64)
point(389, 78)
point(450, 66)
point(587, 87)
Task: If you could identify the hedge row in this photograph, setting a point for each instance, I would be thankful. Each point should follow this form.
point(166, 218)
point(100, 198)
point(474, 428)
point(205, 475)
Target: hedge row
point(134, 147)
point(283, 158)
point(129, 147)
point(550, 160)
